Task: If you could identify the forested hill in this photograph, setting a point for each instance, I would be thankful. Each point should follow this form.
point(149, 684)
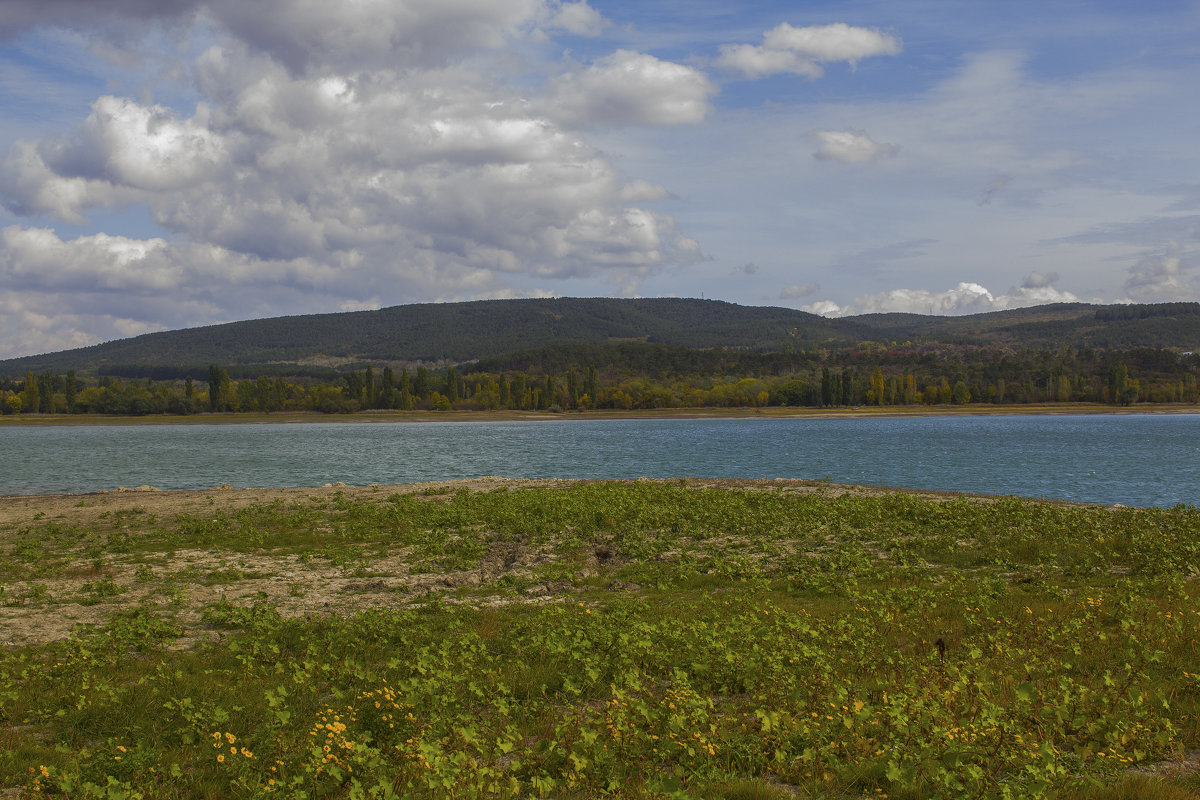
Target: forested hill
point(461, 332)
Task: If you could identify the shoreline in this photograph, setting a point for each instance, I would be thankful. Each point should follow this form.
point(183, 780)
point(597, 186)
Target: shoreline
point(789, 412)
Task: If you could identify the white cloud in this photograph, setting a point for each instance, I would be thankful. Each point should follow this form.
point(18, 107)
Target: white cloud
point(852, 148)
point(309, 34)
point(1158, 279)
point(628, 88)
point(376, 33)
point(1036, 280)
point(801, 51)
point(965, 298)
point(579, 19)
point(25, 329)
point(420, 184)
point(799, 290)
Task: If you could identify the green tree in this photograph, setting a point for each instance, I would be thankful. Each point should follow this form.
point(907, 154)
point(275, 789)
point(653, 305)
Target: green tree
point(46, 393)
point(572, 388)
point(369, 397)
point(387, 389)
point(71, 388)
point(1118, 382)
point(214, 387)
point(505, 392)
point(591, 383)
point(960, 395)
point(354, 386)
point(405, 399)
point(30, 398)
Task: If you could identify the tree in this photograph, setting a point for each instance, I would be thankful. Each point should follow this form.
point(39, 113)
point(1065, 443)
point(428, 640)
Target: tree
point(591, 383)
point(960, 395)
point(405, 399)
point(71, 388)
point(262, 393)
point(214, 387)
point(30, 399)
point(354, 386)
point(421, 383)
point(387, 390)
point(572, 388)
point(46, 393)
point(1118, 382)
point(505, 393)
point(877, 385)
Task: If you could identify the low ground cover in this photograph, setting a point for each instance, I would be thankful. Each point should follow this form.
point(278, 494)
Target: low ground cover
point(583, 639)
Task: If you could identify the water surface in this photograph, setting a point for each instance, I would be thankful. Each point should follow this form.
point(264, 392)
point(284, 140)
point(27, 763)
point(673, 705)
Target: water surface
point(1131, 459)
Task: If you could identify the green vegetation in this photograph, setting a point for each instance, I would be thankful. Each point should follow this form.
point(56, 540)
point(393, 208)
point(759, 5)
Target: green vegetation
point(581, 354)
point(646, 376)
point(646, 640)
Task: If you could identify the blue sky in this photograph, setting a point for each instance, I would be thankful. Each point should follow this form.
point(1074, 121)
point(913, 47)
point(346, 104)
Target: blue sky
point(171, 163)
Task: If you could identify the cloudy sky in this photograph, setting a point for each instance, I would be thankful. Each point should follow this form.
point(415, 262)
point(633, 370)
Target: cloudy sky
point(171, 163)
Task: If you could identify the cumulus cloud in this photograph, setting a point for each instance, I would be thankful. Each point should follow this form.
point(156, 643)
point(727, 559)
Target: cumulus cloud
point(1036, 280)
point(850, 147)
point(340, 156)
point(1158, 279)
point(303, 34)
point(628, 88)
point(802, 51)
point(965, 298)
point(17, 16)
point(799, 290)
point(579, 19)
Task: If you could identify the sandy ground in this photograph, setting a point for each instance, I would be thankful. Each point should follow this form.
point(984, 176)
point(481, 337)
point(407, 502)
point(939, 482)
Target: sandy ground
point(179, 583)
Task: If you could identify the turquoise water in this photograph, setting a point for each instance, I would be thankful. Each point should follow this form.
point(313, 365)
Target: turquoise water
point(1132, 459)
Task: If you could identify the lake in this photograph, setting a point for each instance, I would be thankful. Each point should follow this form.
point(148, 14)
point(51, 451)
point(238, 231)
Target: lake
point(1131, 459)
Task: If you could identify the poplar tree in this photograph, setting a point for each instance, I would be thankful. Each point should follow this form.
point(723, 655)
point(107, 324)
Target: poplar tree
point(405, 400)
point(387, 390)
point(71, 388)
point(214, 387)
point(30, 401)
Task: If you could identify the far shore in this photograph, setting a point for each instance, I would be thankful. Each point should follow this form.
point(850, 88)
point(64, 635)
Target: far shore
point(791, 412)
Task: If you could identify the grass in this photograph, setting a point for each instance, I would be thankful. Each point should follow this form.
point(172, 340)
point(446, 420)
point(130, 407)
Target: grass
point(639, 639)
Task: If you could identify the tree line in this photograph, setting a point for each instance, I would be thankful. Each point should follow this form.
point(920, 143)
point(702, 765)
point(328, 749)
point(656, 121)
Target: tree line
point(647, 377)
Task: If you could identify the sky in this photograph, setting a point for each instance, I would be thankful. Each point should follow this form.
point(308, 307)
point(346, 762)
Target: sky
point(173, 163)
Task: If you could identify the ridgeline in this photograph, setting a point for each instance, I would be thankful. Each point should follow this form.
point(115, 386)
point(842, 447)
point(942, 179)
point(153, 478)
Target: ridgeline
point(441, 334)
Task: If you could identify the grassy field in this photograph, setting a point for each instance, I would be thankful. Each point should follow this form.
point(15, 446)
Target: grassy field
point(644, 639)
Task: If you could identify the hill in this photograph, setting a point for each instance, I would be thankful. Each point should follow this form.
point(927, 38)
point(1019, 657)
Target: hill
point(447, 333)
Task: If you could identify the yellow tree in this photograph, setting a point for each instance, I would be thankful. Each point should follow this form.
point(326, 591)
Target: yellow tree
point(877, 386)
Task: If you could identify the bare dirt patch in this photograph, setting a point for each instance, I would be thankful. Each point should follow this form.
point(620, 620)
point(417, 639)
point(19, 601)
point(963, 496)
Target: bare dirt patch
point(49, 593)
